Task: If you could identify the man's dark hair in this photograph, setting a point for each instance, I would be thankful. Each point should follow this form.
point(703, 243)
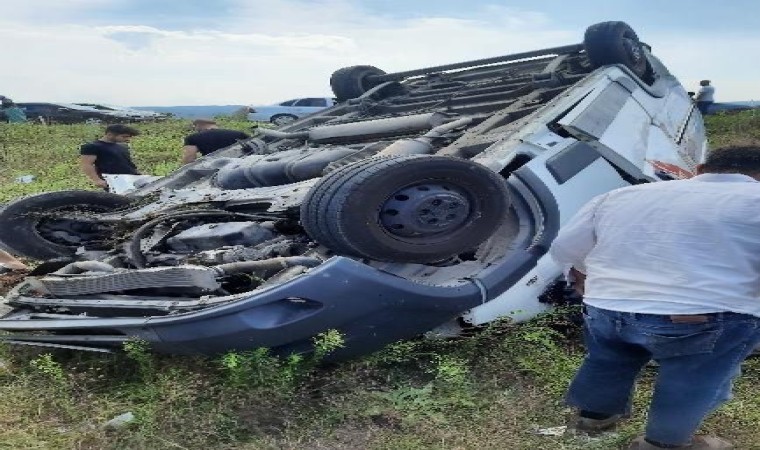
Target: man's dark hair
point(119, 128)
point(744, 159)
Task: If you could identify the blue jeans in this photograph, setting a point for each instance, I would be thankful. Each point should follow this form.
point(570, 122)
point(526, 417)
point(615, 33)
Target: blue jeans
point(697, 365)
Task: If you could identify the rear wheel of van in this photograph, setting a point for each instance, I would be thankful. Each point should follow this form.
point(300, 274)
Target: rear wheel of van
point(54, 224)
point(352, 82)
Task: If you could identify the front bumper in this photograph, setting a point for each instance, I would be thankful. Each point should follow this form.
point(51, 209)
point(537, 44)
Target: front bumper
point(369, 307)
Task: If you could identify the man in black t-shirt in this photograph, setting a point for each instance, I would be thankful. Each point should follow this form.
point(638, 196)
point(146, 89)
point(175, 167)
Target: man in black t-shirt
point(208, 138)
point(108, 155)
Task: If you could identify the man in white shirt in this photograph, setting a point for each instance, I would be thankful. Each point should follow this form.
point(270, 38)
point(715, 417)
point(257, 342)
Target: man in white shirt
point(672, 273)
point(705, 96)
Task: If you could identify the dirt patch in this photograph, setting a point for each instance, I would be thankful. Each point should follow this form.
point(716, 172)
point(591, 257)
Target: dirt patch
point(8, 280)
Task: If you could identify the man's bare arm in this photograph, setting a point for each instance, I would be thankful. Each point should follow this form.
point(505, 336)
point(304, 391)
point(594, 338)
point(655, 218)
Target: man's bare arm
point(9, 261)
point(87, 164)
point(189, 153)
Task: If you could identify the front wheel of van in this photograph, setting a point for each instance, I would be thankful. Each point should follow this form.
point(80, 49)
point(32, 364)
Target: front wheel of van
point(616, 43)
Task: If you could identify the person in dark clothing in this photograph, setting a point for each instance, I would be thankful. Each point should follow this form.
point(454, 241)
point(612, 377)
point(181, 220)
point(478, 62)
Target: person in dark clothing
point(108, 155)
point(208, 138)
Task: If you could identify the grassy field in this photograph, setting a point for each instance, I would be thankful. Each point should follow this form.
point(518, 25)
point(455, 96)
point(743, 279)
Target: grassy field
point(50, 153)
point(499, 389)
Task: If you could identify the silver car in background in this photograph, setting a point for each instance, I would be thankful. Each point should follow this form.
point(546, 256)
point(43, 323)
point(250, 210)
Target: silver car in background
point(289, 111)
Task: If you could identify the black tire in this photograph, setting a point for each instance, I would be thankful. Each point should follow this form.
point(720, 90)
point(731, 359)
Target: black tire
point(348, 210)
point(616, 43)
point(19, 220)
point(352, 82)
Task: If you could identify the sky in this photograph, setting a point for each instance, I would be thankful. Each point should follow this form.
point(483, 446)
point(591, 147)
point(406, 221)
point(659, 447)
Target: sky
point(188, 52)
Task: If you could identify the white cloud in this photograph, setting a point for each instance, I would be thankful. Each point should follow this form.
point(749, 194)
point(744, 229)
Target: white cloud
point(40, 11)
point(262, 55)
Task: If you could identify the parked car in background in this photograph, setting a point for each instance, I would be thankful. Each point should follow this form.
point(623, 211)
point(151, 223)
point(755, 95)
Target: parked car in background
point(289, 111)
point(133, 114)
point(69, 113)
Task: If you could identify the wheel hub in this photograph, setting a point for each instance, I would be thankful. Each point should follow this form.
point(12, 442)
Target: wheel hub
point(424, 210)
point(633, 49)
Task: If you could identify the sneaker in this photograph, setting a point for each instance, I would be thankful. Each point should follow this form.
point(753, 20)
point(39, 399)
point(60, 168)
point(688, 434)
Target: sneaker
point(588, 425)
point(698, 443)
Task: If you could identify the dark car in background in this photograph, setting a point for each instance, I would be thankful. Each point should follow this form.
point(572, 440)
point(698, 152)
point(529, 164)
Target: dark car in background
point(69, 113)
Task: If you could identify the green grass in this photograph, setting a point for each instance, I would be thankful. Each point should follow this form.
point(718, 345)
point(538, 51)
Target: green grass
point(734, 128)
point(489, 391)
point(51, 153)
